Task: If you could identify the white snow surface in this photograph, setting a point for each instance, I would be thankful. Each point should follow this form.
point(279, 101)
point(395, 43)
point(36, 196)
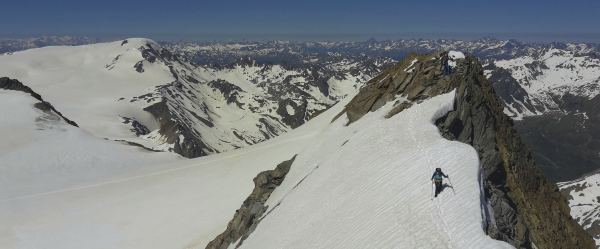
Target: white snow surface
point(86, 82)
point(368, 185)
point(455, 55)
point(357, 186)
point(411, 64)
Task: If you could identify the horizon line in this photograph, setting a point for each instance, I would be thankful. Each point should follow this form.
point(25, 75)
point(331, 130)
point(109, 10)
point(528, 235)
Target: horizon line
point(332, 37)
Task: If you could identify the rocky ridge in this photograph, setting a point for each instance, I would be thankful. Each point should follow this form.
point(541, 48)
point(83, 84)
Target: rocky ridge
point(46, 107)
point(252, 210)
point(528, 210)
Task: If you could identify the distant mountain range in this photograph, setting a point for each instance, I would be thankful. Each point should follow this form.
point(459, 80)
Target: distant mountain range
point(304, 52)
point(13, 45)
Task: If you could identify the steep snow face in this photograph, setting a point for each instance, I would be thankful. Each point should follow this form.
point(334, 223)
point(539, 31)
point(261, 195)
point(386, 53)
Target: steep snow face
point(368, 185)
point(583, 195)
point(548, 73)
point(61, 187)
point(137, 91)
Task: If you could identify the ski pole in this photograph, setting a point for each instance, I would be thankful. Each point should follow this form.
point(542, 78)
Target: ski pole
point(432, 190)
point(451, 185)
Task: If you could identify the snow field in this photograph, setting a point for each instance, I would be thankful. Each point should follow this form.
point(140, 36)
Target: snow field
point(77, 79)
point(368, 185)
point(65, 188)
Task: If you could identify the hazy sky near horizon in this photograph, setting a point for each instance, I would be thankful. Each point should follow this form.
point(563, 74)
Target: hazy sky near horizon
point(533, 20)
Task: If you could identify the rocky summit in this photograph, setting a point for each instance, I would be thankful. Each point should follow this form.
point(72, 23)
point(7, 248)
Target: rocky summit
point(526, 209)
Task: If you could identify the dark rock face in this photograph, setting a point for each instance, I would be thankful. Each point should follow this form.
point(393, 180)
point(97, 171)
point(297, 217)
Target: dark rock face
point(139, 66)
point(136, 127)
point(246, 218)
point(13, 84)
point(528, 208)
point(511, 92)
point(300, 113)
point(187, 145)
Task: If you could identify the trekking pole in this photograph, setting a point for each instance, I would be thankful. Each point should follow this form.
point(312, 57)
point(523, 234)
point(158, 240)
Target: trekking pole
point(452, 185)
point(432, 190)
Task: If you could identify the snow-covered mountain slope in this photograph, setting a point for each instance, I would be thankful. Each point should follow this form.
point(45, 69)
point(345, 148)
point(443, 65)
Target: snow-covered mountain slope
point(40, 148)
point(62, 187)
point(134, 90)
point(584, 198)
point(340, 193)
point(529, 84)
point(87, 82)
point(97, 193)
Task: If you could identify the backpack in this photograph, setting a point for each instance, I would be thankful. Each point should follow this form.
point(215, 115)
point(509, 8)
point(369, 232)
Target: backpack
point(438, 174)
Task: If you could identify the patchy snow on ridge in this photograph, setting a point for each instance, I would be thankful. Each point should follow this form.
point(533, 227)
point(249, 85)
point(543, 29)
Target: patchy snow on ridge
point(454, 55)
point(411, 64)
point(367, 185)
point(584, 199)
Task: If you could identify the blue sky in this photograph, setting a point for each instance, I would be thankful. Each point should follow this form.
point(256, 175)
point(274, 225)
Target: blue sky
point(304, 20)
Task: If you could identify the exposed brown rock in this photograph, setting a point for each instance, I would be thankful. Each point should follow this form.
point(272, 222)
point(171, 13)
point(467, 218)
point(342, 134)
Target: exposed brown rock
point(249, 215)
point(399, 108)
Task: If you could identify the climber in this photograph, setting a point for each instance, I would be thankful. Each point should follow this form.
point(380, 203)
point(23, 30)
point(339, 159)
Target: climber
point(445, 63)
point(437, 177)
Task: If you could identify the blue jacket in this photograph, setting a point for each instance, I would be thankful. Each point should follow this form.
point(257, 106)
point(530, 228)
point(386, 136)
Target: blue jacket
point(438, 176)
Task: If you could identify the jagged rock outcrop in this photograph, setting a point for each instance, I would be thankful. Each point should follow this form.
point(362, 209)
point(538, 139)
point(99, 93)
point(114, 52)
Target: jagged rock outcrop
point(13, 84)
point(528, 209)
point(250, 214)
